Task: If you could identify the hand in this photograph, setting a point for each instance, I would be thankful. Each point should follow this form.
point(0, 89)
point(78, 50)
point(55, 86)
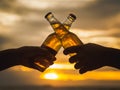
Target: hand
point(31, 54)
point(25, 56)
point(92, 56)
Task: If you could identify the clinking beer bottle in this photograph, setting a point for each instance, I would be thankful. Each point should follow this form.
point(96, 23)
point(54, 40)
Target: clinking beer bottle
point(67, 38)
point(53, 43)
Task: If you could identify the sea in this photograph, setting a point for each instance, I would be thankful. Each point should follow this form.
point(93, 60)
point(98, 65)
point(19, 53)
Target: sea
point(57, 88)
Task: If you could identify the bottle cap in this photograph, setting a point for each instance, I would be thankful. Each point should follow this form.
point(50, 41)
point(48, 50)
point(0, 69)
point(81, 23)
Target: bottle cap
point(73, 16)
point(48, 14)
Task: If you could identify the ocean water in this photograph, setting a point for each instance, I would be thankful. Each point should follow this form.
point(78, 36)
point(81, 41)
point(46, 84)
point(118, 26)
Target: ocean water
point(56, 88)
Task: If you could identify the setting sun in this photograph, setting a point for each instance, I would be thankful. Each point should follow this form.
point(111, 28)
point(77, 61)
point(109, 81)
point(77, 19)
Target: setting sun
point(52, 76)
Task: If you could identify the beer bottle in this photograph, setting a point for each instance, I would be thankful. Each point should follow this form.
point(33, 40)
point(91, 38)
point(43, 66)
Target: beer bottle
point(66, 37)
point(53, 44)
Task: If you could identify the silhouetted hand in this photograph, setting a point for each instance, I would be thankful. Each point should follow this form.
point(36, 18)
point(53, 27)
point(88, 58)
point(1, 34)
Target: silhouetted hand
point(92, 56)
point(25, 56)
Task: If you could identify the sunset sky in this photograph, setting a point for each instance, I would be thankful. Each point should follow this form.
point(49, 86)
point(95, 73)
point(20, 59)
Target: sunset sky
point(22, 23)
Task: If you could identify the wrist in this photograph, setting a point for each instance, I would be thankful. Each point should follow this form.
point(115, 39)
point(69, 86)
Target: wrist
point(114, 58)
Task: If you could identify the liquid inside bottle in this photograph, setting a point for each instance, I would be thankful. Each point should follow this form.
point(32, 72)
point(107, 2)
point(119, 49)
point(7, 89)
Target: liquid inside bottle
point(53, 45)
point(67, 38)
point(70, 39)
point(53, 42)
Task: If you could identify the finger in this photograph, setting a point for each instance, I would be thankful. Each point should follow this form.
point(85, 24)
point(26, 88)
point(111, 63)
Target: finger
point(79, 65)
point(41, 65)
point(73, 49)
point(45, 55)
point(43, 62)
point(33, 52)
point(50, 58)
point(83, 69)
point(80, 57)
point(87, 67)
point(74, 59)
point(37, 67)
point(48, 55)
point(52, 51)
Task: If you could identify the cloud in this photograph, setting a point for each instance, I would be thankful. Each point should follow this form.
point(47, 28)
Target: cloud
point(3, 41)
point(91, 14)
point(45, 4)
point(104, 8)
point(12, 6)
point(5, 4)
point(95, 14)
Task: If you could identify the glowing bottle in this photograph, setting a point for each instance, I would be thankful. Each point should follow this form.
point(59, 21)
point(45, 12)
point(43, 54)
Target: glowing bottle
point(53, 44)
point(66, 37)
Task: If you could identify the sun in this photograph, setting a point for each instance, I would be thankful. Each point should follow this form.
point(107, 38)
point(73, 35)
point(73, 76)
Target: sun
point(51, 76)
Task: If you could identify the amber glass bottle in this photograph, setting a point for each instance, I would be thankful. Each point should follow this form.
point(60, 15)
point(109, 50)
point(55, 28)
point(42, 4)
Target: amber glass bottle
point(53, 43)
point(66, 37)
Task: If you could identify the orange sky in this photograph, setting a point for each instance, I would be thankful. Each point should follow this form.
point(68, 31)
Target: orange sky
point(22, 23)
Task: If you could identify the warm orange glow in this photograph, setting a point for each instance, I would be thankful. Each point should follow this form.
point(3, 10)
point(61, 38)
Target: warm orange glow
point(61, 66)
point(52, 76)
point(103, 75)
point(59, 72)
point(97, 75)
point(61, 76)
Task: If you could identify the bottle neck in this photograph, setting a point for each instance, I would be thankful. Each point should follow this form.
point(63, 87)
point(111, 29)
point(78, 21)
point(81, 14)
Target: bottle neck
point(60, 29)
point(52, 20)
point(68, 22)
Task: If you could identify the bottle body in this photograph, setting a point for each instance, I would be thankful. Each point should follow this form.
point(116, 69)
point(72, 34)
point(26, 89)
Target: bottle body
point(61, 37)
point(70, 39)
point(53, 42)
point(59, 29)
point(53, 45)
point(66, 37)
